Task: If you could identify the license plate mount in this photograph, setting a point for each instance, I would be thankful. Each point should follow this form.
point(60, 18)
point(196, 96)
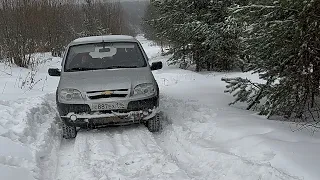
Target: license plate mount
point(107, 120)
point(108, 106)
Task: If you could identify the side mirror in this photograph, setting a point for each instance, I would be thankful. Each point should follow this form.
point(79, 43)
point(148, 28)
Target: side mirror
point(156, 66)
point(54, 72)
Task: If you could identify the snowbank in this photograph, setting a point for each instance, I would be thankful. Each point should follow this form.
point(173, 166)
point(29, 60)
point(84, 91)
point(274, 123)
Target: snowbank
point(17, 83)
point(29, 133)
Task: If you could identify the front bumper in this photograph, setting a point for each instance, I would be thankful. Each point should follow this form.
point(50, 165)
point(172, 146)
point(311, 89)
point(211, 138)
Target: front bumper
point(80, 115)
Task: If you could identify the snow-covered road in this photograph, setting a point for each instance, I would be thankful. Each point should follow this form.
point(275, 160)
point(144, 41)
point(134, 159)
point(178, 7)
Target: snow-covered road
point(202, 138)
point(186, 149)
point(117, 153)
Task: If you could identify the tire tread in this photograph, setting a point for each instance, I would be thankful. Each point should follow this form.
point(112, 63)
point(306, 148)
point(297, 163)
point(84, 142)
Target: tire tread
point(154, 124)
point(68, 132)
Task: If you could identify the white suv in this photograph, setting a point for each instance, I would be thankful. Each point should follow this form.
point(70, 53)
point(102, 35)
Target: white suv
point(104, 81)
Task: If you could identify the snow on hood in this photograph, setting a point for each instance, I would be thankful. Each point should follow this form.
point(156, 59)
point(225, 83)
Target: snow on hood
point(110, 79)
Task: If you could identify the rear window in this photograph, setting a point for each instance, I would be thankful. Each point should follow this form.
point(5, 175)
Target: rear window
point(104, 56)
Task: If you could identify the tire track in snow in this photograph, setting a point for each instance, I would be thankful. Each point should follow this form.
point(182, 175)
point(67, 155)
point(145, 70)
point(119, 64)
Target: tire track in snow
point(208, 145)
point(66, 161)
point(195, 151)
point(115, 153)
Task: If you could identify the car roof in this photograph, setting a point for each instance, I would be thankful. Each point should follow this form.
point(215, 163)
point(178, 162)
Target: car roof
point(106, 38)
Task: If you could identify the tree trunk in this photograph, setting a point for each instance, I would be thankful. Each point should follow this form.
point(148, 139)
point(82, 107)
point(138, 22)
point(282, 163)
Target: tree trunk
point(196, 57)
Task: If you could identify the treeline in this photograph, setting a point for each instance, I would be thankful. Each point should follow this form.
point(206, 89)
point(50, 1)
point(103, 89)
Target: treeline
point(134, 12)
point(29, 26)
point(196, 30)
point(279, 40)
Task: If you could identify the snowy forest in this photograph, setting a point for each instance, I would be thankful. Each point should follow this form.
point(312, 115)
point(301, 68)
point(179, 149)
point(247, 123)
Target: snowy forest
point(277, 40)
point(29, 26)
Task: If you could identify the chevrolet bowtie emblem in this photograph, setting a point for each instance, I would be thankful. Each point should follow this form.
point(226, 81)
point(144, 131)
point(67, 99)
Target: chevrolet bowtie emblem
point(107, 93)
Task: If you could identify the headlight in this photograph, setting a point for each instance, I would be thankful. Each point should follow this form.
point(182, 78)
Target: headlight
point(70, 94)
point(147, 89)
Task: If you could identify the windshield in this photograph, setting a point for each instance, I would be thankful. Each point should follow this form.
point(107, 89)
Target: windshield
point(104, 56)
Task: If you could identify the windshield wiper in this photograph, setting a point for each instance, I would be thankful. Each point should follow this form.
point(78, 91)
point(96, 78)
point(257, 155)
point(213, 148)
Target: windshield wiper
point(81, 69)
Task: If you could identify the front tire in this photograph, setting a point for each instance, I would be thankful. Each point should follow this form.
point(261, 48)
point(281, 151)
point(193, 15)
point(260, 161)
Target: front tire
point(154, 124)
point(68, 132)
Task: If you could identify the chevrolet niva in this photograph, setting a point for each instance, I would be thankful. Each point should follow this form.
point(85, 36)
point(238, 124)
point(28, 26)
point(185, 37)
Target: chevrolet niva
point(106, 81)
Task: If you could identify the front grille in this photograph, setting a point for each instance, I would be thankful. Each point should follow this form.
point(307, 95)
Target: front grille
point(146, 104)
point(90, 92)
point(118, 93)
point(107, 96)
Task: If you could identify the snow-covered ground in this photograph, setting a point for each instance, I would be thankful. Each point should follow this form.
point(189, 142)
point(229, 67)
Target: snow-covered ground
point(29, 133)
point(202, 137)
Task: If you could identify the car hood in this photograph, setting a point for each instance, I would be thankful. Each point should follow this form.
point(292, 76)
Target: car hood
point(109, 79)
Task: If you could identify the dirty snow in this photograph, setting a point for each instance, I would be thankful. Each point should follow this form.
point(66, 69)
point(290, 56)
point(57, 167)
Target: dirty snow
point(202, 137)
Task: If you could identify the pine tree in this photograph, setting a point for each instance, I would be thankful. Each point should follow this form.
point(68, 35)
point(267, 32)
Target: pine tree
point(282, 39)
point(198, 29)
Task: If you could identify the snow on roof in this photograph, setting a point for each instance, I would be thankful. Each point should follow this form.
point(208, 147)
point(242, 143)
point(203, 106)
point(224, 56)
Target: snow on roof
point(107, 38)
